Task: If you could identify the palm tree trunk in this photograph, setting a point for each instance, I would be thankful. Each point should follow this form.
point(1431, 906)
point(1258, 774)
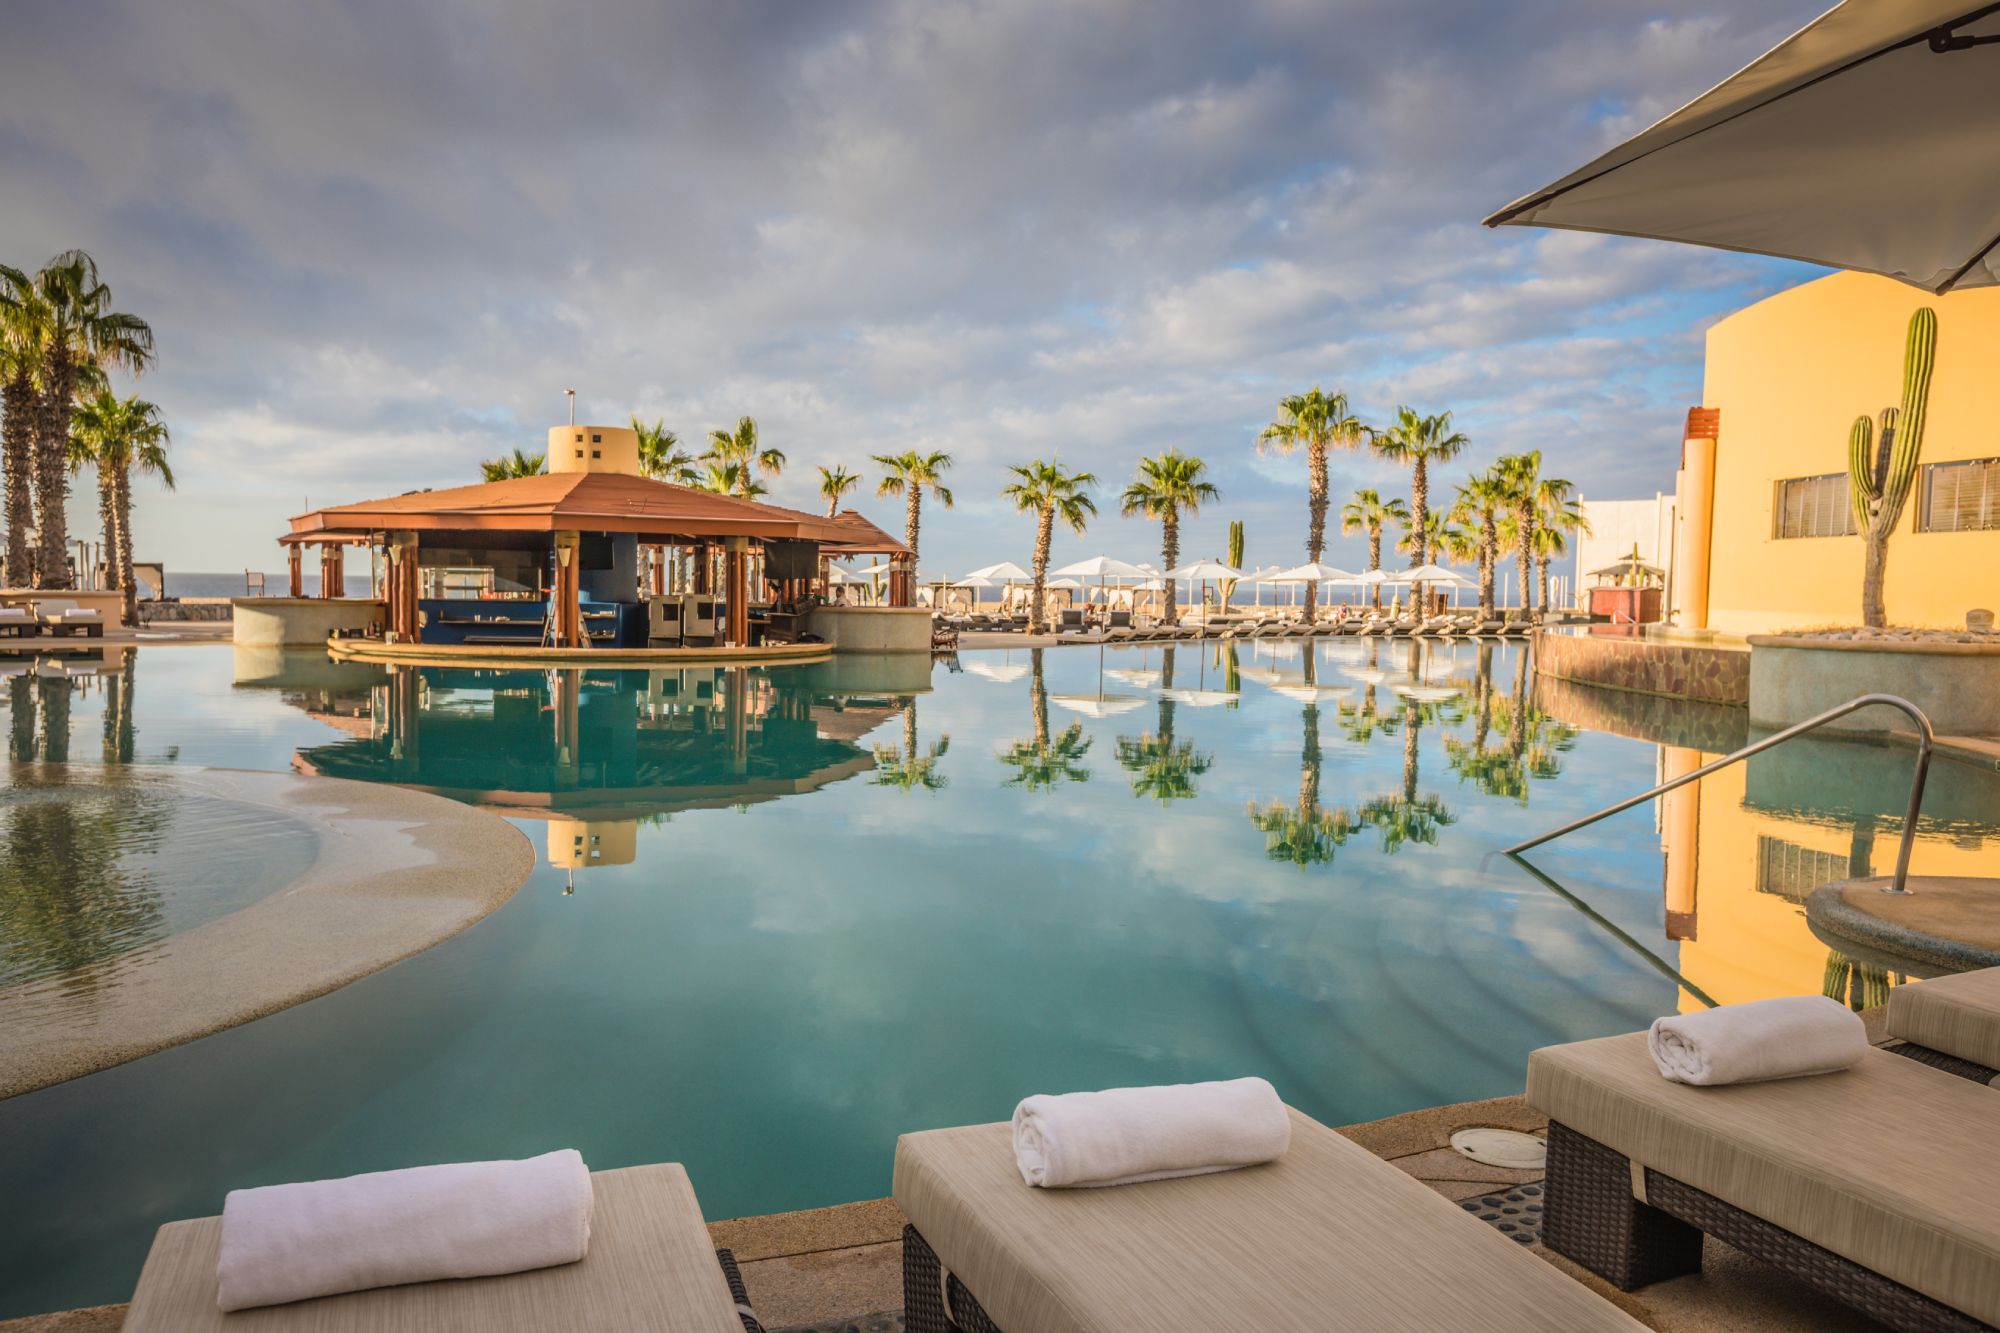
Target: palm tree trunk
point(1489, 556)
point(1170, 550)
point(910, 731)
point(1309, 763)
point(128, 731)
point(1524, 558)
point(1316, 517)
point(1045, 522)
point(1038, 698)
point(1375, 562)
point(1410, 729)
point(52, 469)
point(911, 522)
point(1420, 510)
point(54, 691)
point(1542, 577)
point(17, 439)
point(21, 719)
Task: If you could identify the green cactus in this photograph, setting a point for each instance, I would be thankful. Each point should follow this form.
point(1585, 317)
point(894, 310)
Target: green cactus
point(1882, 473)
point(1233, 558)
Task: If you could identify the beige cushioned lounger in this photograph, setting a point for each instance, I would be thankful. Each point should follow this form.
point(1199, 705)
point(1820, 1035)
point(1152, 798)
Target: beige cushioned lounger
point(650, 1267)
point(1957, 1015)
point(1891, 1163)
point(1328, 1237)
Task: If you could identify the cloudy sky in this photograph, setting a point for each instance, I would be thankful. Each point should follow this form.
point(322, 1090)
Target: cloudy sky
point(377, 240)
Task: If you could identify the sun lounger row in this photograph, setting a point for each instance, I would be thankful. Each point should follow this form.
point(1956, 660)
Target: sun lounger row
point(1868, 1175)
point(53, 615)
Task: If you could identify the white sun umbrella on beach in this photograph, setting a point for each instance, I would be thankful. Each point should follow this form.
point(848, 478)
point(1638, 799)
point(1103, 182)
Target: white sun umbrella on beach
point(1203, 571)
point(1005, 572)
point(1798, 154)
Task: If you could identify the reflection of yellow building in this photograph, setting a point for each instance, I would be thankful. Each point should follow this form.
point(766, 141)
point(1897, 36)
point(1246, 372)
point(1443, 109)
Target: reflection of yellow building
point(1736, 894)
point(1766, 529)
point(578, 844)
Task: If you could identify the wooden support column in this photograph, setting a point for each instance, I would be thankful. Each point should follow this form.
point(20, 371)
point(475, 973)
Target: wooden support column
point(659, 571)
point(736, 590)
point(736, 718)
point(704, 567)
point(1680, 830)
point(405, 691)
point(567, 687)
point(403, 585)
point(333, 570)
point(295, 553)
point(568, 598)
point(902, 581)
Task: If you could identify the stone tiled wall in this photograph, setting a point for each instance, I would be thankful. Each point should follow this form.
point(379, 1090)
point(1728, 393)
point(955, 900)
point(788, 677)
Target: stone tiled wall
point(1676, 670)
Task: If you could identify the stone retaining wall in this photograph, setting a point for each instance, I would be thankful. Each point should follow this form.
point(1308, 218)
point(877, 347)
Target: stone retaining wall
point(1704, 672)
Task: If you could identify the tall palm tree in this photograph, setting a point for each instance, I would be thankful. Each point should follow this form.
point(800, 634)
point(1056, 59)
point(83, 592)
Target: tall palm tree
point(1419, 441)
point(907, 474)
point(1558, 516)
point(660, 454)
point(1169, 485)
point(80, 335)
point(120, 436)
point(1049, 492)
point(507, 467)
point(1481, 499)
point(1316, 421)
point(835, 482)
point(730, 479)
point(1369, 512)
point(1520, 475)
point(22, 315)
point(740, 448)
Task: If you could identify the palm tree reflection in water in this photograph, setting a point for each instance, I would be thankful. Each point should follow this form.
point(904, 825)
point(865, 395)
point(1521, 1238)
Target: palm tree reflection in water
point(1046, 762)
point(906, 769)
point(1162, 767)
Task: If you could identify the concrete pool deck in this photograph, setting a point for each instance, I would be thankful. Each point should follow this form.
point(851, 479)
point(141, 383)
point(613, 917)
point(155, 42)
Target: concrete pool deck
point(393, 873)
point(828, 1269)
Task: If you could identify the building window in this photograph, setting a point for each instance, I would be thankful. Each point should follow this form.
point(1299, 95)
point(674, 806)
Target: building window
point(1815, 507)
point(597, 453)
point(579, 453)
point(1791, 871)
point(597, 439)
point(1961, 497)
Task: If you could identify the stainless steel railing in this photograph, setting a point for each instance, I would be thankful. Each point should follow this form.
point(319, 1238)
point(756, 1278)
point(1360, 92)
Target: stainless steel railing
point(1897, 884)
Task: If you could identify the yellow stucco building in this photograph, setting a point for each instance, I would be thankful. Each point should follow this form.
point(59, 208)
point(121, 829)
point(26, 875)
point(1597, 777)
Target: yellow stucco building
point(1765, 535)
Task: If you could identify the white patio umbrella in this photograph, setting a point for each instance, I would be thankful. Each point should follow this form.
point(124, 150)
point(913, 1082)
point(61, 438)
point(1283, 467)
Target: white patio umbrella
point(1006, 572)
point(1797, 153)
point(1097, 705)
point(1101, 567)
point(1203, 571)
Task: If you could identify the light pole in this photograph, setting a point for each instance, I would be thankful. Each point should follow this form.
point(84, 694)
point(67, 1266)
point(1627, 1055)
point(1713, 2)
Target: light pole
point(571, 395)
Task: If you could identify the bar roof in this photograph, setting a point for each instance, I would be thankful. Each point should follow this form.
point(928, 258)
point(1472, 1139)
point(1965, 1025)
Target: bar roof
point(588, 502)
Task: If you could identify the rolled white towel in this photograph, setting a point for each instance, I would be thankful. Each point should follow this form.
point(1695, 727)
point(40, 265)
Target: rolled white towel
point(468, 1219)
point(1125, 1135)
point(1764, 1039)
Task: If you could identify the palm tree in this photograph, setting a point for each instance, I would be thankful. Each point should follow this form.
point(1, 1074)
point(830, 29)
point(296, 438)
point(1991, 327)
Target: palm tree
point(730, 479)
point(660, 454)
point(120, 436)
point(1558, 515)
point(1519, 475)
point(22, 315)
point(1046, 761)
point(1482, 499)
point(835, 482)
point(1049, 492)
point(739, 448)
point(1169, 485)
point(507, 467)
point(1442, 537)
point(1369, 512)
point(1315, 420)
point(907, 474)
point(1419, 441)
point(80, 335)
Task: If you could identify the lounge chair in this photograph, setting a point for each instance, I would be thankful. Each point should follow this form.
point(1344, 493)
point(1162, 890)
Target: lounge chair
point(650, 1266)
point(1326, 1237)
point(59, 615)
point(1876, 1184)
point(18, 622)
point(1952, 1023)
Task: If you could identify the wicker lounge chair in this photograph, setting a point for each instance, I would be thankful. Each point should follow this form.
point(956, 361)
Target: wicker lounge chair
point(1875, 1184)
point(60, 615)
point(650, 1266)
point(1326, 1237)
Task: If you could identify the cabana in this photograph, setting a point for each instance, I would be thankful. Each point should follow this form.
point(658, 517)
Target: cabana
point(578, 557)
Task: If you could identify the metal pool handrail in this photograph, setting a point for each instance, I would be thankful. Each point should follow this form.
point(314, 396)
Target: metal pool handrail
point(1924, 738)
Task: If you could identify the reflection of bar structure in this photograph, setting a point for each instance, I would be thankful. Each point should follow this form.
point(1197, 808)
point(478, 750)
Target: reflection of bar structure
point(591, 554)
point(590, 753)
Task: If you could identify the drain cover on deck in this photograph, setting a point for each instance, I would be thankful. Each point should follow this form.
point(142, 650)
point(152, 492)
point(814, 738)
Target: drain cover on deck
point(1516, 1214)
point(1501, 1147)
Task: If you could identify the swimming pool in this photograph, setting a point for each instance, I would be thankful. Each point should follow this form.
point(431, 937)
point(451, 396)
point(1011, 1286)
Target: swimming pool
point(782, 916)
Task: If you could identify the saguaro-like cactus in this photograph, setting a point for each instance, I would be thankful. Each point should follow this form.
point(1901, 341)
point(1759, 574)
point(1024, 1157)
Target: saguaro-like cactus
point(1881, 473)
point(1233, 557)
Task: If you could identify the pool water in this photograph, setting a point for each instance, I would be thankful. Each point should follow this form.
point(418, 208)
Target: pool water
point(781, 916)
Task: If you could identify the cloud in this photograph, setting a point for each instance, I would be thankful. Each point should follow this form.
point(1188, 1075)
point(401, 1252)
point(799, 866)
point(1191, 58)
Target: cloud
point(377, 242)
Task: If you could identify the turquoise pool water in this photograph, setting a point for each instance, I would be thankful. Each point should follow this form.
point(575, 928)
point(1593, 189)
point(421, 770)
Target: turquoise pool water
point(781, 916)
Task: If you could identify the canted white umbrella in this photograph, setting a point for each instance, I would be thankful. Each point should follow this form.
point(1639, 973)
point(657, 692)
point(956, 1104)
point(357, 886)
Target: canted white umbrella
point(871, 571)
point(1097, 705)
point(1200, 698)
point(1004, 672)
point(1314, 572)
point(1432, 574)
point(1005, 572)
point(1065, 584)
point(1805, 152)
point(975, 581)
point(1101, 567)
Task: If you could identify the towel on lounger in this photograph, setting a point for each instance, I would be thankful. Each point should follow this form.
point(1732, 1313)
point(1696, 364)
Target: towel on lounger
point(1764, 1039)
point(1124, 1135)
point(468, 1219)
